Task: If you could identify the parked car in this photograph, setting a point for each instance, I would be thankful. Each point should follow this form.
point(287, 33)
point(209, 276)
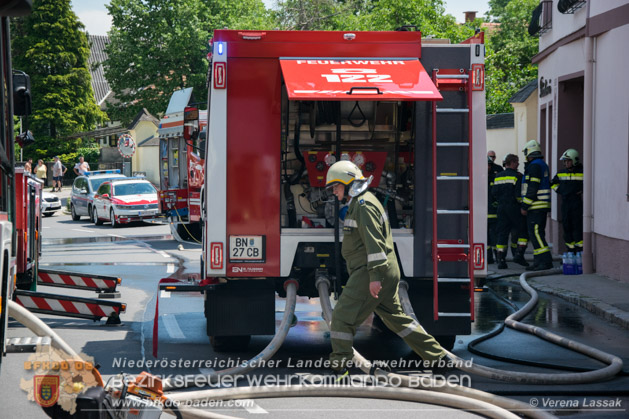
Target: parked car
point(84, 188)
point(122, 201)
point(50, 203)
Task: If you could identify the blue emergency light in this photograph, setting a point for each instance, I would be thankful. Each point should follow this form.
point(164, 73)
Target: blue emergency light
point(102, 172)
point(220, 48)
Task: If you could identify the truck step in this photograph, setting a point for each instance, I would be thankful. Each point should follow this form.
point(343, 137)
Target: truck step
point(458, 144)
point(452, 246)
point(453, 110)
point(461, 280)
point(453, 178)
point(27, 343)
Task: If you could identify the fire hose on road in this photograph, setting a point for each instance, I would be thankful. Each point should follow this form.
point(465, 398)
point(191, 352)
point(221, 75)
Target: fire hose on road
point(433, 390)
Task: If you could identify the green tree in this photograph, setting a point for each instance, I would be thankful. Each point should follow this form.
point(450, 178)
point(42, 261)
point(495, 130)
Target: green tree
point(50, 46)
point(509, 53)
point(370, 15)
point(159, 46)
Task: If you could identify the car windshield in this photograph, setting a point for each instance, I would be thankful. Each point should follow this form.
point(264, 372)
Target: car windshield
point(97, 182)
point(133, 189)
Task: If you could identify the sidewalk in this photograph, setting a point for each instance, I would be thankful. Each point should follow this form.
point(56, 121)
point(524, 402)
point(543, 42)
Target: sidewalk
point(602, 296)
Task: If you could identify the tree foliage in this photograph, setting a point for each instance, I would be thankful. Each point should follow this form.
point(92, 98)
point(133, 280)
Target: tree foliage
point(50, 46)
point(428, 16)
point(159, 46)
point(509, 53)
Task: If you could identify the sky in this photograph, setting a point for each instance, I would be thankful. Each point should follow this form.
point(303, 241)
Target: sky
point(94, 15)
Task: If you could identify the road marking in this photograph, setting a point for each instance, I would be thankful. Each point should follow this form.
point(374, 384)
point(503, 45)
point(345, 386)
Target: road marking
point(172, 327)
point(170, 268)
point(82, 230)
point(164, 294)
point(252, 407)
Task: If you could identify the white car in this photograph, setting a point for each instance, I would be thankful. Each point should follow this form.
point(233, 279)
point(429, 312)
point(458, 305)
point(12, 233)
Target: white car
point(50, 203)
point(122, 201)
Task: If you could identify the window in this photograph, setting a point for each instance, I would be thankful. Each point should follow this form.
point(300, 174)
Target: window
point(542, 18)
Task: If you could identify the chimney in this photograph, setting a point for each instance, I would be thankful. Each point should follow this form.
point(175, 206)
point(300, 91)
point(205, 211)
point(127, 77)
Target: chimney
point(470, 16)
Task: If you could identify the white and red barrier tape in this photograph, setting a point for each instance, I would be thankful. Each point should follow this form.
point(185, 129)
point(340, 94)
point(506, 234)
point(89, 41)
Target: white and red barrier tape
point(69, 280)
point(67, 306)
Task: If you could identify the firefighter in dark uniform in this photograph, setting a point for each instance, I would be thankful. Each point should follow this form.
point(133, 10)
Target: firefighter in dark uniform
point(506, 191)
point(492, 215)
point(569, 185)
point(373, 270)
point(519, 235)
point(536, 204)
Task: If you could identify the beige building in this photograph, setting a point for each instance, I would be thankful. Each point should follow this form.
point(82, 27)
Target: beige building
point(583, 104)
point(507, 133)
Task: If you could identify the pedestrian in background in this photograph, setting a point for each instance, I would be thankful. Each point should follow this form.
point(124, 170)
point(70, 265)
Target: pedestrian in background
point(28, 166)
point(536, 204)
point(374, 274)
point(58, 170)
point(41, 172)
point(81, 167)
point(568, 183)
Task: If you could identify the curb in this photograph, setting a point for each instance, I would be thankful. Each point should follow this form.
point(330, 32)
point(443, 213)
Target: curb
point(593, 305)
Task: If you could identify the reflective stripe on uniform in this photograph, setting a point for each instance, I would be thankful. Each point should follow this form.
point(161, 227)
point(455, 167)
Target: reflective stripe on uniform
point(342, 336)
point(534, 179)
point(522, 241)
point(376, 256)
point(511, 180)
point(570, 176)
point(541, 250)
point(410, 329)
point(350, 223)
point(492, 215)
point(384, 218)
point(501, 246)
point(539, 205)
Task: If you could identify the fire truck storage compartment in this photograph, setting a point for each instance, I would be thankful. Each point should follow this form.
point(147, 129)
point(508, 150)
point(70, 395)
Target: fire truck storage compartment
point(227, 315)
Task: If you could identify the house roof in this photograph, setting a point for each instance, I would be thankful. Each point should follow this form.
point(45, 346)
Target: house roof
point(500, 120)
point(150, 141)
point(524, 93)
point(97, 57)
point(143, 115)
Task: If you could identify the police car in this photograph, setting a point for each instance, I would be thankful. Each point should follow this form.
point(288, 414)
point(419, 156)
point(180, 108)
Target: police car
point(84, 188)
point(121, 201)
point(50, 203)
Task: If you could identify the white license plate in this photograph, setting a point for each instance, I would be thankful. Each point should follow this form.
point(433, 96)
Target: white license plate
point(246, 248)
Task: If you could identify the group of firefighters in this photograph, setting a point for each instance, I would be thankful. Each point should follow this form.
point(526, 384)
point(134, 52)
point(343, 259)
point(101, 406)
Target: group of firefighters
point(518, 205)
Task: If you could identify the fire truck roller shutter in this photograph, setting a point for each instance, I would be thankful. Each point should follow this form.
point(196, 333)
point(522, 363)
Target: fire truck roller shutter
point(394, 79)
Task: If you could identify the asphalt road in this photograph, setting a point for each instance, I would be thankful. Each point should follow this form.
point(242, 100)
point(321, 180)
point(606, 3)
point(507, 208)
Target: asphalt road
point(143, 254)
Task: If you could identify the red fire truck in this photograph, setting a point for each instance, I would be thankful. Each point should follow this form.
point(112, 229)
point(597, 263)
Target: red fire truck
point(181, 162)
point(284, 106)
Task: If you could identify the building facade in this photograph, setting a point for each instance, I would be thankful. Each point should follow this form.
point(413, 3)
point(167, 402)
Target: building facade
point(583, 103)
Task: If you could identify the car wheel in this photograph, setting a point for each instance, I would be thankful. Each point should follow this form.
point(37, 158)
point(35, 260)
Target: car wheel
point(95, 217)
point(112, 216)
point(48, 214)
point(75, 217)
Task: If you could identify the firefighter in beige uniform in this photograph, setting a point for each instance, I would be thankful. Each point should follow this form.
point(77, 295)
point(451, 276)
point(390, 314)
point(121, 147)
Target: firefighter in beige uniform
point(374, 274)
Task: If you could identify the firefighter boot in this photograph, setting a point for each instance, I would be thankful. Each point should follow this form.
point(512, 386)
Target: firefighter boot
point(519, 256)
point(536, 261)
point(502, 260)
point(490, 256)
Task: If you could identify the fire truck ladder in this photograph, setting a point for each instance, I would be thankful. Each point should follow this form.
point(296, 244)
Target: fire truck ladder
point(448, 82)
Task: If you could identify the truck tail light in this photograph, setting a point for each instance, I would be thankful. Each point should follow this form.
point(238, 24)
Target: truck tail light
point(220, 75)
point(478, 252)
point(216, 255)
point(478, 77)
